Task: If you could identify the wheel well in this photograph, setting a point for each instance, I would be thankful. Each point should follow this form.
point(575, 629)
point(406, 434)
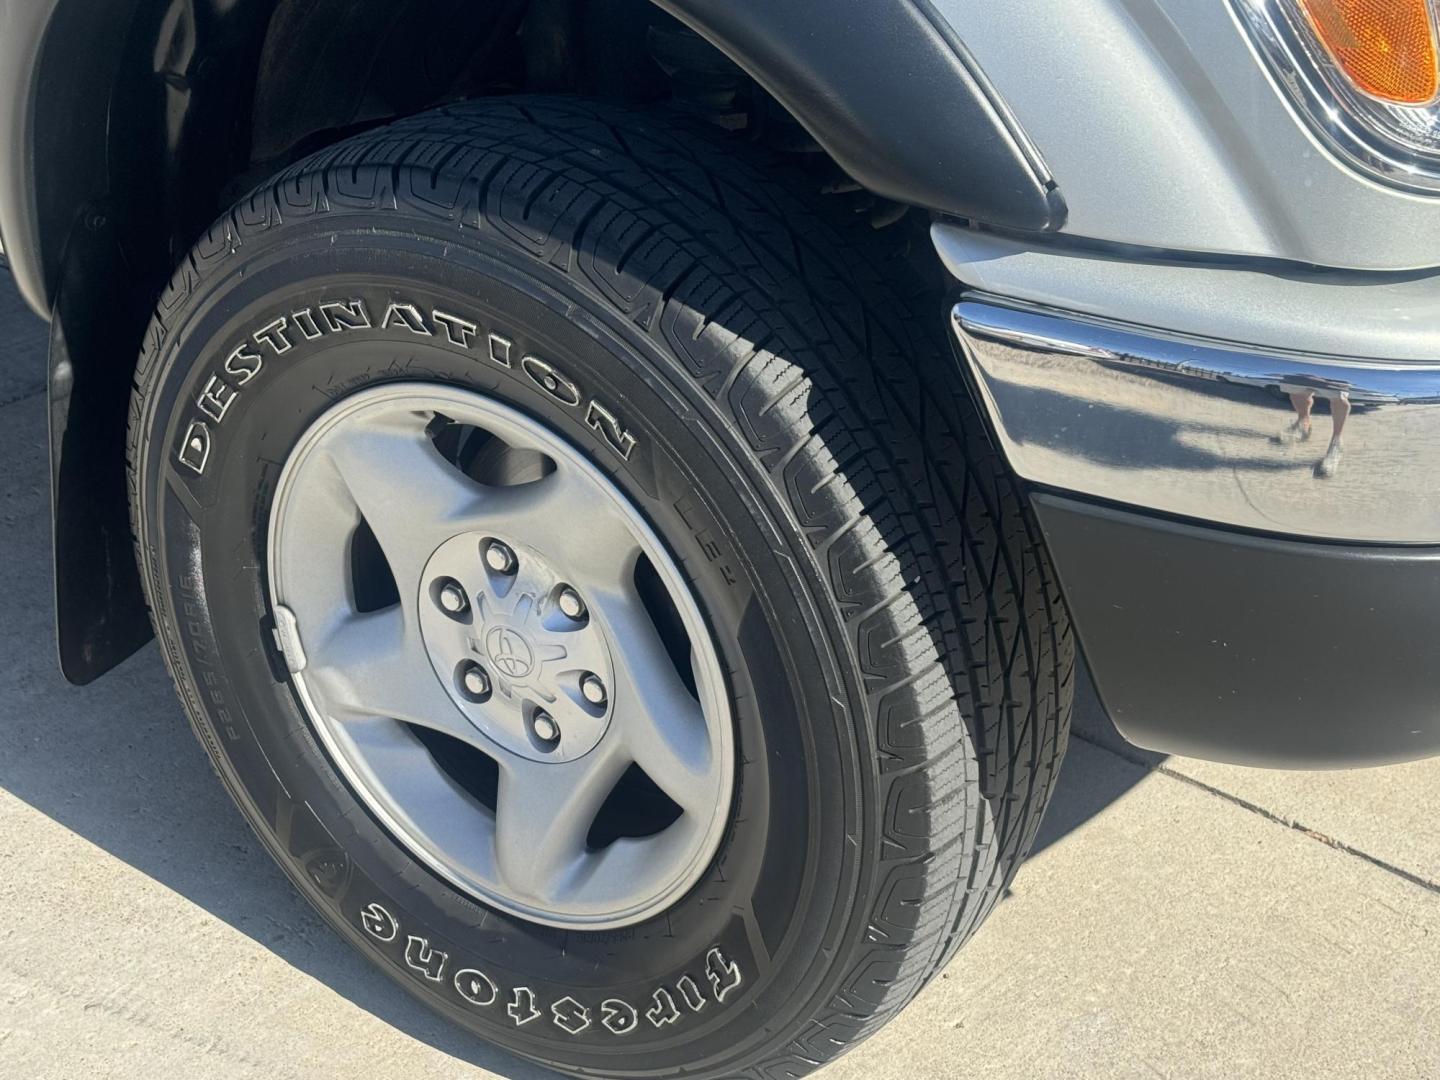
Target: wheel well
point(333, 65)
point(211, 96)
point(303, 73)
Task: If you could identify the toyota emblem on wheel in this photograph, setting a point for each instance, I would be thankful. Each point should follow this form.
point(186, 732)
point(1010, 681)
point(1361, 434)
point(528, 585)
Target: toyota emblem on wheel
point(510, 652)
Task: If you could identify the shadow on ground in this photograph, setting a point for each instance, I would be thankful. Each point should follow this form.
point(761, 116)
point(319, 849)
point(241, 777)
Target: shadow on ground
point(117, 764)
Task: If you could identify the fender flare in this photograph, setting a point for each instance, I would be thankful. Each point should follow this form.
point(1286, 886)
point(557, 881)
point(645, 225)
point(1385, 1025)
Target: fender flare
point(890, 91)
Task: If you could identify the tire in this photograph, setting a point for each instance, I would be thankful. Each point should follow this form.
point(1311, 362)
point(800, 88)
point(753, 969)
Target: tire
point(776, 398)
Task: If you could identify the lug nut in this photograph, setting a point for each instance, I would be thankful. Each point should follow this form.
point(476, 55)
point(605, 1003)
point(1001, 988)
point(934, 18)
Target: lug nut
point(452, 597)
point(592, 688)
point(475, 681)
point(570, 603)
point(546, 730)
point(499, 557)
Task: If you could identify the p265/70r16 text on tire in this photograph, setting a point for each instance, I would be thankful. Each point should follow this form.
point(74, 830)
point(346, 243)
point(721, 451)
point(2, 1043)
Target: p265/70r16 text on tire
point(477, 307)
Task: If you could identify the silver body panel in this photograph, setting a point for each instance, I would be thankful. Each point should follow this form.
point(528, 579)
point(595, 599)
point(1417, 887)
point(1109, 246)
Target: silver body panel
point(1390, 317)
point(1164, 129)
point(22, 27)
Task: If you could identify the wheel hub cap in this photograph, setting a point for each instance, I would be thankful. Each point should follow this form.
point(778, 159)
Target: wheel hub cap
point(536, 656)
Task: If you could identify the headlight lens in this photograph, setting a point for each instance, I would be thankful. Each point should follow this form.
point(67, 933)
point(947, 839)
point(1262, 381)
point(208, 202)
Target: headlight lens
point(1365, 74)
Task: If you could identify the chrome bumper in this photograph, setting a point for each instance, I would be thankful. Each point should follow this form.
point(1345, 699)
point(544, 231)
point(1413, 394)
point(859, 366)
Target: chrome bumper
point(1208, 430)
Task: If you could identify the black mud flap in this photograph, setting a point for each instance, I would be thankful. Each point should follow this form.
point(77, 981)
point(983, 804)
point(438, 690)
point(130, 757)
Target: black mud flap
point(100, 610)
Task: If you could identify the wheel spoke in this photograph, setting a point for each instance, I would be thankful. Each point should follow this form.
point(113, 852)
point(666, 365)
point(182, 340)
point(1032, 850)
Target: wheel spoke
point(543, 814)
point(628, 867)
point(421, 797)
point(412, 498)
point(563, 514)
point(375, 665)
point(655, 716)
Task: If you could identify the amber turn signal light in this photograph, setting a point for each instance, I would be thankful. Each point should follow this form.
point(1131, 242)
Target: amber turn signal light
point(1385, 47)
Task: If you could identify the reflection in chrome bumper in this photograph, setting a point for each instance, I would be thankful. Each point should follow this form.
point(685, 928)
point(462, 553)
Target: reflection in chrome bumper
point(1304, 445)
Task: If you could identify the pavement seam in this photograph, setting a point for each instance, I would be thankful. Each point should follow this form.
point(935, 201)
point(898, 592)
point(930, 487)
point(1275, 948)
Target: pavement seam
point(1268, 815)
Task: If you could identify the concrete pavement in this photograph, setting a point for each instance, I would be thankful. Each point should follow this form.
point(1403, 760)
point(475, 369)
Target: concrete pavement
point(1178, 919)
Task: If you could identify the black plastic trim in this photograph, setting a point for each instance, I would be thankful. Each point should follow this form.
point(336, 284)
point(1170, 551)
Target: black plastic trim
point(100, 612)
point(1252, 649)
point(890, 91)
